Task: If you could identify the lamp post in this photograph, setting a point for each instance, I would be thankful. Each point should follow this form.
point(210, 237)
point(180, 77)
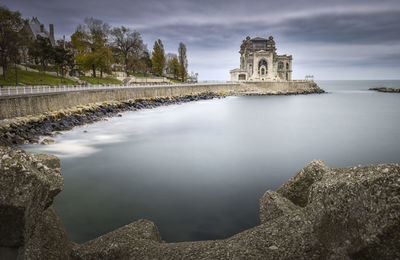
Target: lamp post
point(27, 61)
point(62, 73)
point(16, 74)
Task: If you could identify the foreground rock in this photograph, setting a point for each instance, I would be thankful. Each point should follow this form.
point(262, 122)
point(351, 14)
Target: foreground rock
point(28, 223)
point(320, 213)
point(389, 90)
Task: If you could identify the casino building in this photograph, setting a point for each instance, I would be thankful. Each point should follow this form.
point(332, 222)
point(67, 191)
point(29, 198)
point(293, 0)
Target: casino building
point(259, 62)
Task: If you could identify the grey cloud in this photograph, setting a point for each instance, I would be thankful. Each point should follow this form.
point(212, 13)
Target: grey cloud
point(213, 26)
point(349, 28)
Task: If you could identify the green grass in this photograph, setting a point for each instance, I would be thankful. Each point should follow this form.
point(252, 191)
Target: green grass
point(40, 67)
point(31, 78)
point(100, 80)
point(176, 81)
point(142, 75)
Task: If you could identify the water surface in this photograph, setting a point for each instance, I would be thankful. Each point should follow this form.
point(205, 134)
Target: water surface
point(198, 169)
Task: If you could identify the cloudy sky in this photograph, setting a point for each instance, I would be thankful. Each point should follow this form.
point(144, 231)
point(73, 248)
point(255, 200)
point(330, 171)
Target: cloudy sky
point(333, 39)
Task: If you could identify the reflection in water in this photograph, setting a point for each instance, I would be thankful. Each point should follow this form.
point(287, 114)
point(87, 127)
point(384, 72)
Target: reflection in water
point(198, 169)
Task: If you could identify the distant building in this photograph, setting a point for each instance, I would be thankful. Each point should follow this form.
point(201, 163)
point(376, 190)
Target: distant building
point(192, 78)
point(259, 62)
point(34, 28)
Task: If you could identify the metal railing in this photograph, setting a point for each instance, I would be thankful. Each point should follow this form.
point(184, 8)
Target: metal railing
point(6, 91)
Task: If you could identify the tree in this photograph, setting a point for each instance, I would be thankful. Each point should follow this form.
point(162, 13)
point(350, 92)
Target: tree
point(146, 64)
point(11, 40)
point(42, 51)
point(158, 58)
point(128, 47)
point(62, 59)
point(91, 42)
point(182, 61)
point(174, 67)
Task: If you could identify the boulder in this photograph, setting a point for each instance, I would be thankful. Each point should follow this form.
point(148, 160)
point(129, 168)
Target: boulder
point(49, 240)
point(119, 243)
point(355, 211)
point(297, 188)
point(27, 188)
point(48, 141)
point(273, 205)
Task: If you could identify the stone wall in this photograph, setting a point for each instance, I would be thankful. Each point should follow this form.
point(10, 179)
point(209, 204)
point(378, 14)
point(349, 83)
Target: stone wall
point(37, 104)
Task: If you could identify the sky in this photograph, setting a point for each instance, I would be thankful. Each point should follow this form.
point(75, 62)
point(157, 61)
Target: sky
point(333, 39)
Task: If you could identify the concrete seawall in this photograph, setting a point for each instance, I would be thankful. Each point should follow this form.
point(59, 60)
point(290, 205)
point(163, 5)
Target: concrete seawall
point(17, 106)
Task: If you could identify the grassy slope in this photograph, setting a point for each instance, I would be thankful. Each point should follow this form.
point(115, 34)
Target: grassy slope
point(40, 67)
point(142, 75)
point(32, 78)
point(101, 81)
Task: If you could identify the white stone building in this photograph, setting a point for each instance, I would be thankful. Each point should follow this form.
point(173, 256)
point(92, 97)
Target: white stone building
point(259, 62)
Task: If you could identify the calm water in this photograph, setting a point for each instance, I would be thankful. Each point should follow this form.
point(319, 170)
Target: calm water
point(198, 169)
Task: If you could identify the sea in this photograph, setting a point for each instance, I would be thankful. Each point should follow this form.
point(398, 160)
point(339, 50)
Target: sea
point(198, 170)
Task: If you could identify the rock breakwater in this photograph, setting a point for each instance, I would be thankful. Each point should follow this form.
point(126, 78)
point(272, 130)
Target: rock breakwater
point(27, 129)
point(319, 213)
point(316, 90)
point(388, 90)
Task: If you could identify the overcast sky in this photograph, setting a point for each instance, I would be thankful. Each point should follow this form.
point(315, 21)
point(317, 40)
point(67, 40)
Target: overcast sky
point(333, 39)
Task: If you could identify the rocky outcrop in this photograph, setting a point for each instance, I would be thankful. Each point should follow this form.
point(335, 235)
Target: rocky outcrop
point(320, 213)
point(281, 88)
point(388, 90)
point(297, 188)
point(28, 185)
point(119, 244)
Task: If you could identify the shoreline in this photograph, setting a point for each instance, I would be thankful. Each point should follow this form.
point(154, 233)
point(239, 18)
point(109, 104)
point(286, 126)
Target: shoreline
point(29, 129)
point(24, 130)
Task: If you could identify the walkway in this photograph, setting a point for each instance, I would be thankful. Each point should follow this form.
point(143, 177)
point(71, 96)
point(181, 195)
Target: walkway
point(12, 91)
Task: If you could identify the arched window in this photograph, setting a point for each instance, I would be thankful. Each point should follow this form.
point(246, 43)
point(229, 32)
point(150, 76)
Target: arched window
point(262, 67)
point(287, 76)
point(261, 63)
point(287, 66)
point(280, 65)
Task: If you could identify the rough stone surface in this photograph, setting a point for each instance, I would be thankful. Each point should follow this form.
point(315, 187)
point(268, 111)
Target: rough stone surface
point(119, 243)
point(356, 211)
point(273, 205)
point(50, 240)
point(27, 189)
point(296, 189)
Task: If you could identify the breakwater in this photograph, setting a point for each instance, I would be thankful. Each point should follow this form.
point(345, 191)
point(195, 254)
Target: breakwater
point(28, 129)
point(387, 90)
point(38, 103)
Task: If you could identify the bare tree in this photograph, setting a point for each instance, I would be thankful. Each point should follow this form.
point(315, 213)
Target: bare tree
point(128, 47)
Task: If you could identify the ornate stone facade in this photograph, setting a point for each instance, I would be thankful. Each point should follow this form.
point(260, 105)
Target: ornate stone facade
point(259, 62)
